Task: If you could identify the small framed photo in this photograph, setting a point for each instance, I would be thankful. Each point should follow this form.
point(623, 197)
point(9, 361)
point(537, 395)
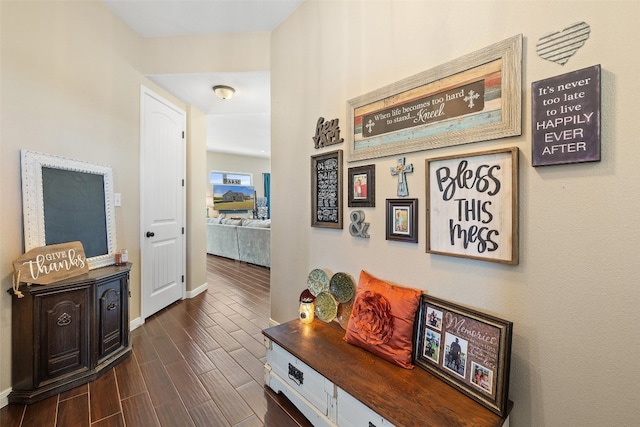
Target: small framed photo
point(402, 220)
point(362, 186)
point(465, 348)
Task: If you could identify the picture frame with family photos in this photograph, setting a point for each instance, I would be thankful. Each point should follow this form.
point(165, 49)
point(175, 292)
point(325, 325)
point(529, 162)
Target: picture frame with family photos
point(465, 348)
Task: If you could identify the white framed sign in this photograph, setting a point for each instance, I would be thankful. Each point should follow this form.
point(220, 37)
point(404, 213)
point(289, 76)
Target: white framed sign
point(472, 205)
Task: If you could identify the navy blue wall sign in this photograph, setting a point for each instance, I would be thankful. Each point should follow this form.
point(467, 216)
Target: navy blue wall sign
point(566, 118)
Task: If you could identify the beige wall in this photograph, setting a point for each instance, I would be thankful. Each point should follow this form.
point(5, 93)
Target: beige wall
point(196, 194)
point(574, 296)
point(70, 85)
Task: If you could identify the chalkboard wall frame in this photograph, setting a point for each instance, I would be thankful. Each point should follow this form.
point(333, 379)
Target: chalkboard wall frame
point(86, 215)
point(326, 190)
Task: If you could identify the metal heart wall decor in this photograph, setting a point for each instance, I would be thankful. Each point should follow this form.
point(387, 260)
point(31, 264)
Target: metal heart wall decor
point(560, 46)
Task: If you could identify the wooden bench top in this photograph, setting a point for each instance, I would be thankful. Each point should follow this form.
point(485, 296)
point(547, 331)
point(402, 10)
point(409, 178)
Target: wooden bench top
point(405, 397)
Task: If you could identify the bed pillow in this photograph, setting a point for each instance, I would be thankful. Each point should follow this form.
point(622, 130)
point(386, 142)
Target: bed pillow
point(382, 319)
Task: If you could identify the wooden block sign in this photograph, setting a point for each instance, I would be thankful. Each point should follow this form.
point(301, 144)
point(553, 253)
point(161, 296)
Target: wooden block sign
point(566, 118)
point(472, 205)
point(48, 264)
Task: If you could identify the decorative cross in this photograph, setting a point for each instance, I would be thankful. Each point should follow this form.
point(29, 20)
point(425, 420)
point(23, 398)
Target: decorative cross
point(470, 97)
point(401, 170)
point(370, 124)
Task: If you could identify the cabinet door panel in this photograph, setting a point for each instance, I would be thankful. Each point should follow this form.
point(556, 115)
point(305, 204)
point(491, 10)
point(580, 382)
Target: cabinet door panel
point(110, 314)
point(64, 329)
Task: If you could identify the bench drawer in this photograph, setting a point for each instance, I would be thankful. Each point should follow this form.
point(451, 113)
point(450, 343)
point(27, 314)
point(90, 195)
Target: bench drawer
point(352, 413)
point(298, 376)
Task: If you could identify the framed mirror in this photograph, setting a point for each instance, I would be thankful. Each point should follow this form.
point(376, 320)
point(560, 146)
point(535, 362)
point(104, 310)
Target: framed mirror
point(66, 200)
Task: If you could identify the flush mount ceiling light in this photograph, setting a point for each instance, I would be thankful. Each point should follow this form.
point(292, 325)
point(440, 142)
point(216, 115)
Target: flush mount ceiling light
point(224, 92)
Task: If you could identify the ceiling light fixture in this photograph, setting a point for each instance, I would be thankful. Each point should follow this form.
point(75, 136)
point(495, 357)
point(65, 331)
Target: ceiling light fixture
point(224, 92)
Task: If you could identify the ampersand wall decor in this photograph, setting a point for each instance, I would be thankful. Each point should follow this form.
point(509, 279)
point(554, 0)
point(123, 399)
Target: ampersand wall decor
point(358, 227)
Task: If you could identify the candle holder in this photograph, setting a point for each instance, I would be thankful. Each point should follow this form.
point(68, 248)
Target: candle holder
point(307, 311)
point(307, 307)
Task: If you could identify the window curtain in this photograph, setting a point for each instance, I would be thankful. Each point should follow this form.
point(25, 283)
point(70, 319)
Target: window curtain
point(267, 192)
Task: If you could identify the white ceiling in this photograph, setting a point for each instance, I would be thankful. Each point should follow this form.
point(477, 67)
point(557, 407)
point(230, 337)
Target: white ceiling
point(240, 125)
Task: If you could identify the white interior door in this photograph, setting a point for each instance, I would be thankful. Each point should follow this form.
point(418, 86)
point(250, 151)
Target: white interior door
point(162, 202)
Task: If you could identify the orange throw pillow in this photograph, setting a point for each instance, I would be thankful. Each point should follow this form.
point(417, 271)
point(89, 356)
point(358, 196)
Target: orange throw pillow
point(382, 319)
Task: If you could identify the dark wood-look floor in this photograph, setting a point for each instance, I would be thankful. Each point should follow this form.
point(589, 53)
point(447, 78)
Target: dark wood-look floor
point(199, 362)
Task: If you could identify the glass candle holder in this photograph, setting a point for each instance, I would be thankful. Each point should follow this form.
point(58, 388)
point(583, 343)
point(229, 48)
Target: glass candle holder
point(307, 311)
point(122, 257)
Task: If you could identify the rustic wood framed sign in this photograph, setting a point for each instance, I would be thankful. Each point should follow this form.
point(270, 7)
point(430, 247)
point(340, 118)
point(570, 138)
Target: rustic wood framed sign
point(472, 205)
point(51, 263)
point(326, 190)
point(362, 186)
point(476, 97)
point(465, 348)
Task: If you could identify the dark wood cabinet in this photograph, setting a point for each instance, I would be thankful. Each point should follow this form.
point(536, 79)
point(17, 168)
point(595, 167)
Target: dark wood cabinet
point(68, 333)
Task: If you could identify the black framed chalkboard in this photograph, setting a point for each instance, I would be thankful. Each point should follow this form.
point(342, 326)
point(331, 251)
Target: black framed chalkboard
point(74, 209)
point(66, 200)
point(326, 190)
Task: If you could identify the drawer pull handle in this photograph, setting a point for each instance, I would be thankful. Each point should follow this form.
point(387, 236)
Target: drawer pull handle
point(371, 424)
point(64, 319)
point(296, 374)
point(112, 306)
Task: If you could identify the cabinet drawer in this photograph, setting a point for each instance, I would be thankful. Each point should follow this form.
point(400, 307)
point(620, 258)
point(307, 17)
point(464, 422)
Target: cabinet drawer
point(352, 413)
point(319, 391)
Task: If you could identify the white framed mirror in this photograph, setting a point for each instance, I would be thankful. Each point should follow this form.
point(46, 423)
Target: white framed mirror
point(66, 200)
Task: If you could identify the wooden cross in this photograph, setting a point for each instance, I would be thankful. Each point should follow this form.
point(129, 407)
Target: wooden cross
point(401, 170)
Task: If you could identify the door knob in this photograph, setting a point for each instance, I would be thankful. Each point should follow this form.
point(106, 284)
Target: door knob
point(150, 234)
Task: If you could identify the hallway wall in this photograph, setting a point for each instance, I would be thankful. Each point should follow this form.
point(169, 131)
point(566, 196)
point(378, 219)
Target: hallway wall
point(573, 297)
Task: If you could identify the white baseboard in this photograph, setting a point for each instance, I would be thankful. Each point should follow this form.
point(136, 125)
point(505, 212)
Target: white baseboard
point(4, 398)
point(136, 323)
point(200, 289)
point(139, 321)
point(273, 322)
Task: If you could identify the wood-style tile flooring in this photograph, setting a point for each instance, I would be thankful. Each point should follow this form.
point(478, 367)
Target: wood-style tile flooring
point(198, 362)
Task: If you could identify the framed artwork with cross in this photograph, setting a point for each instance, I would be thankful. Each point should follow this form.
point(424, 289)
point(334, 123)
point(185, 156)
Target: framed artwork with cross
point(473, 98)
